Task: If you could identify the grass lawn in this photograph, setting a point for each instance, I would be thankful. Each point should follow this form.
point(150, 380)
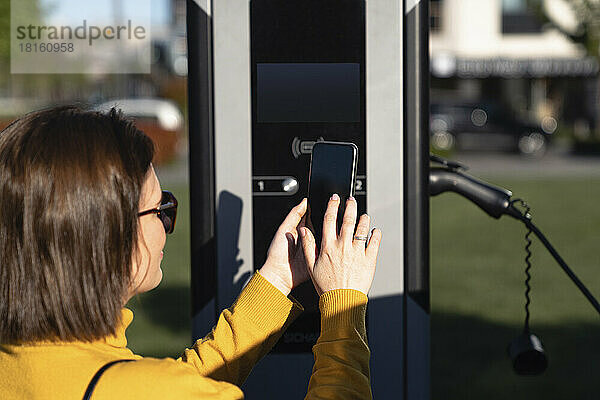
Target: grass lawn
point(477, 278)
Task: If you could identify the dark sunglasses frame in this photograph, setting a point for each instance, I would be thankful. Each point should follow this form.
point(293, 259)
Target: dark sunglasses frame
point(167, 211)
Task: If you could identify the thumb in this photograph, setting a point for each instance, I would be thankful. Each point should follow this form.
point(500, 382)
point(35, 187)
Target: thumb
point(308, 247)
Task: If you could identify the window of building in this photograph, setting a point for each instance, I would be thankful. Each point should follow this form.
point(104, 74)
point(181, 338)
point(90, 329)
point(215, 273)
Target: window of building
point(435, 15)
point(521, 16)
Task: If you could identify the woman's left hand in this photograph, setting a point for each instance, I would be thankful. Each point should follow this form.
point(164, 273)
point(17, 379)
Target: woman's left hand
point(285, 267)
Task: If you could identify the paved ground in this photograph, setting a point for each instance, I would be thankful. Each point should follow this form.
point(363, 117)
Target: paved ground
point(175, 173)
point(557, 162)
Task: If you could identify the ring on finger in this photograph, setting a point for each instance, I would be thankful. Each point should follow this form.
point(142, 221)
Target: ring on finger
point(358, 237)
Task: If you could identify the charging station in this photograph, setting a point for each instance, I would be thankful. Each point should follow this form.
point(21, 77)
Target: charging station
point(269, 78)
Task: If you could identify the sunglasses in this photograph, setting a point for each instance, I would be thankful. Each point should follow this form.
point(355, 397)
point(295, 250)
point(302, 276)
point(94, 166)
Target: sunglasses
point(167, 211)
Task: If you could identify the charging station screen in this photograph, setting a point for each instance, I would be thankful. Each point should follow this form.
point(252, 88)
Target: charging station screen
point(308, 92)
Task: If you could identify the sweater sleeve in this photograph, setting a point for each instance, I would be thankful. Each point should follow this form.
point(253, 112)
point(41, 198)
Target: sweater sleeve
point(244, 333)
point(341, 369)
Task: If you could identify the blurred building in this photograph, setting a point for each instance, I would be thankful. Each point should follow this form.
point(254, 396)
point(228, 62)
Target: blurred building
point(516, 53)
point(178, 45)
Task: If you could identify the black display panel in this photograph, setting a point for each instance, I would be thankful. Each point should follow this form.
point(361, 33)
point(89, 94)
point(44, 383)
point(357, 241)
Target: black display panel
point(308, 92)
point(315, 50)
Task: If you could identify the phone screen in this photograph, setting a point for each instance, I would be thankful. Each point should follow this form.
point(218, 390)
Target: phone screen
point(332, 170)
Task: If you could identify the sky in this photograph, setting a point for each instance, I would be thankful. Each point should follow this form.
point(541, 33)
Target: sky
point(101, 11)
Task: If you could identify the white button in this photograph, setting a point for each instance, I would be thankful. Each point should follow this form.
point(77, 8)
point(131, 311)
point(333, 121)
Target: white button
point(289, 184)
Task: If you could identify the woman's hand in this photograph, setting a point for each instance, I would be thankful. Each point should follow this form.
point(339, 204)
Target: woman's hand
point(285, 267)
point(343, 262)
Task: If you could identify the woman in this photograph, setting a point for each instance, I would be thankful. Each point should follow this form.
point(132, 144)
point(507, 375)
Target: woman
point(82, 229)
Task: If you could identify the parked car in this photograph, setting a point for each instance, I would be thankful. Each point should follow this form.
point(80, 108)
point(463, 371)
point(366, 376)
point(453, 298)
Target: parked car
point(160, 119)
point(486, 126)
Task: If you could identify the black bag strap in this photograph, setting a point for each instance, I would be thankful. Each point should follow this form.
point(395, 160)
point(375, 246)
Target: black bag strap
point(94, 381)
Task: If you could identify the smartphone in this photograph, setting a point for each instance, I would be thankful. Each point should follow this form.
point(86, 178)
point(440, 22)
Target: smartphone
point(332, 170)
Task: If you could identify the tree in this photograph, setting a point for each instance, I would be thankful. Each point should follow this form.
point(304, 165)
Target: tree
point(588, 13)
point(30, 10)
point(4, 30)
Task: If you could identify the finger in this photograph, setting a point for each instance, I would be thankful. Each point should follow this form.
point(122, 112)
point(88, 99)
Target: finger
point(362, 229)
point(308, 247)
point(373, 246)
point(292, 220)
point(330, 219)
point(291, 239)
point(349, 221)
point(302, 222)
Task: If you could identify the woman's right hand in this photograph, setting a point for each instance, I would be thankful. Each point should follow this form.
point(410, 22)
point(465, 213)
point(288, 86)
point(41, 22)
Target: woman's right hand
point(342, 261)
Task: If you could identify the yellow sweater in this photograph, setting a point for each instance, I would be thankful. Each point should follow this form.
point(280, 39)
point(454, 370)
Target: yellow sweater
point(213, 368)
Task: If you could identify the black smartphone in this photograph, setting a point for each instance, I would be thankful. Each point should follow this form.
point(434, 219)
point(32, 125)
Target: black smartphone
point(332, 170)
